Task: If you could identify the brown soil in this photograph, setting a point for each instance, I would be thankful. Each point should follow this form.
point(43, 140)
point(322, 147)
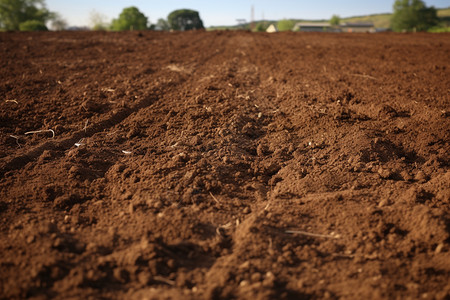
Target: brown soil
point(224, 165)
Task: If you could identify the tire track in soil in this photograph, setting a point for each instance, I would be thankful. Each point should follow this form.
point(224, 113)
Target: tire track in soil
point(240, 236)
point(242, 50)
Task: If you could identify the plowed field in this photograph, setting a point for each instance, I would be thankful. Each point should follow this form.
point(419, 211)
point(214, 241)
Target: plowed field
point(218, 165)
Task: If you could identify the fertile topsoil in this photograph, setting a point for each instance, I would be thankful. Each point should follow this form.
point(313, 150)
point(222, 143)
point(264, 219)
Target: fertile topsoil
point(219, 165)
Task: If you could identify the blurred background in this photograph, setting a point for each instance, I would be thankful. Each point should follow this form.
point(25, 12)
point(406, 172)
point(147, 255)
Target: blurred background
point(263, 15)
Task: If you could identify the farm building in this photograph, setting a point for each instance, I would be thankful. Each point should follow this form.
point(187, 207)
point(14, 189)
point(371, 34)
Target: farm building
point(358, 27)
point(327, 27)
point(272, 28)
point(313, 27)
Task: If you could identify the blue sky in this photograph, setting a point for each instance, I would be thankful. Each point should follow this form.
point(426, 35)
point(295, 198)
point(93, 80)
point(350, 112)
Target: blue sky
point(226, 12)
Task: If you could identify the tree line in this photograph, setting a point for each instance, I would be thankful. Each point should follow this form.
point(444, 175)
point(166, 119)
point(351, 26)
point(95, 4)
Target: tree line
point(33, 15)
point(132, 19)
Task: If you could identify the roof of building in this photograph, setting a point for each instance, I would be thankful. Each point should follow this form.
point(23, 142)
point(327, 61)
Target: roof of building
point(313, 24)
point(358, 24)
point(272, 28)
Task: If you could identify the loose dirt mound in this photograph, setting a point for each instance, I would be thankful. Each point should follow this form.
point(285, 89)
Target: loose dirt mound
point(224, 165)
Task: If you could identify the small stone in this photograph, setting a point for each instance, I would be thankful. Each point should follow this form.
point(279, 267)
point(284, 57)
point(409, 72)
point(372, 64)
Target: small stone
point(406, 176)
point(383, 202)
point(171, 264)
point(180, 158)
point(246, 210)
point(244, 283)
point(359, 167)
point(57, 243)
point(30, 239)
point(144, 278)
point(187, 195)
point(439, 248)
point(157, 204)
point(256, 277)
point(92, 247)
point(74, 171)
point(269, 280)
point(245, 265)
point(261, 150)
point(384, 173)
point(421, 176)
point(189, 175)
point(196, 140)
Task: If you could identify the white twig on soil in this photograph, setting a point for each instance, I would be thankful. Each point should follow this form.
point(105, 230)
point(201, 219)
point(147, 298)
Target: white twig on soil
point(85, 125)
point(17, 140)
point(80, 142)
point(39, 131)
point(12, 100)
point(226, 226)
point(111, 133)
point(165, 280)
point(126, 152)
point(365, 76)
point(215, 199)
point(312, 234)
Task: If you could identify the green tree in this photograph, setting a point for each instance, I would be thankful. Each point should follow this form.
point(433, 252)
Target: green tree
point(130, 19)
point(285, 25)
point(261, 26)
point(58, 23)
point(15, 12)
point(32, 25)
point(98, 21)
point(335, 20)
point(413, 15)
point(185, 19)
point(162, 24)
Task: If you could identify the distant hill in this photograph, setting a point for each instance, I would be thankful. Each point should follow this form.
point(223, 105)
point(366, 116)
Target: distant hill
point(444, 15)
point(379, 20)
